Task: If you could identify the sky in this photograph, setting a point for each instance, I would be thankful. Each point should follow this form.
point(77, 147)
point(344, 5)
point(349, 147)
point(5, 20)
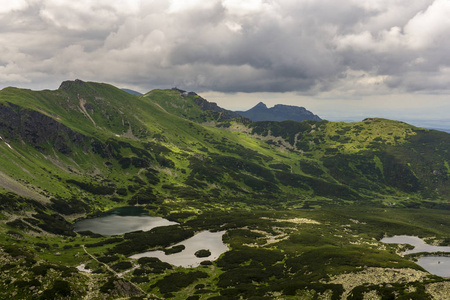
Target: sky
point(341, 59)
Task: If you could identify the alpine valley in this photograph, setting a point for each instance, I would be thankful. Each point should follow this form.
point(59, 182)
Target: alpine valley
point(303, 205)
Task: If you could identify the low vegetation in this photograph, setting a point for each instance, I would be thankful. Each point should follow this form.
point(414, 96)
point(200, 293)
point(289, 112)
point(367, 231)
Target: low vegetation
point(304, 205)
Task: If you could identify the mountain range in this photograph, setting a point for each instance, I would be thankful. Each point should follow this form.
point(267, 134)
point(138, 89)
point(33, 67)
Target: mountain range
point(54, 143)
point(304, 204)
point(279, 112)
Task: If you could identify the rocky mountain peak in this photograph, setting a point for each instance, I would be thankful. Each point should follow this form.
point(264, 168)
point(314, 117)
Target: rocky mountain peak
point(260, 105)
point(68, 84)
point(279, 112)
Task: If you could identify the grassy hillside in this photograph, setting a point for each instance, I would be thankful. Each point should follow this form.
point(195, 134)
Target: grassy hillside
point(304, 204)
point(94, 141)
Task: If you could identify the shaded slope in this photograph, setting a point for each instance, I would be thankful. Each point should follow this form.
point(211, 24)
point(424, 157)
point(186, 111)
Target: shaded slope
point(191, 106)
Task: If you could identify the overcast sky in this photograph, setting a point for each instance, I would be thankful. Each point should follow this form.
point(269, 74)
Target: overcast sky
point(342, 59)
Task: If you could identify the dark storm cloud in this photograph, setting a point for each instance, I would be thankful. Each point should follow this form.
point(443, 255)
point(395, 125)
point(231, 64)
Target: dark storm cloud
point(347, 46)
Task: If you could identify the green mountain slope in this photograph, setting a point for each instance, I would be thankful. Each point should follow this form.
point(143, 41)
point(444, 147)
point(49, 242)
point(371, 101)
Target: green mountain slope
point(189, 105)
point(303, 204)
point(98, 142)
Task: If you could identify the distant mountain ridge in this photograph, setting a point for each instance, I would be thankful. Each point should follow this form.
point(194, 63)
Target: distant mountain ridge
point(279, 112)
point(132, 92)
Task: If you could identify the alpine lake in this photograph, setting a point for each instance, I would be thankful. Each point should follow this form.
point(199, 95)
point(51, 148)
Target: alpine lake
point(435, 264)
point(132, 218)
point(179, 250)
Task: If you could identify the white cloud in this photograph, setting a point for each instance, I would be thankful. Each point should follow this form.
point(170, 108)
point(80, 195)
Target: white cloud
point(314, 47)
point(243, 8)
point(186, 6)
point(8, 6)
point(79, 15)
point(429, 27)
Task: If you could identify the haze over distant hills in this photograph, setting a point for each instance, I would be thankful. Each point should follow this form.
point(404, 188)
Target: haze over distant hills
point(279, 112)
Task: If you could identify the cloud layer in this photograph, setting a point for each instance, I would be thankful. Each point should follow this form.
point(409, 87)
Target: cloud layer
point(335, 48)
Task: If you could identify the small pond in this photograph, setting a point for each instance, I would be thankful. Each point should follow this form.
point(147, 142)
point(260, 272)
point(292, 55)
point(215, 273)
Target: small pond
point(418, 243)
point(211, 241)
point(121, 220)
point(437, 265)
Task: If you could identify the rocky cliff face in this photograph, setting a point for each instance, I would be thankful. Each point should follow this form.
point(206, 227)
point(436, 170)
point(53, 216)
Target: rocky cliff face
point(37, 129)
point(212, 106)
point(205, 105)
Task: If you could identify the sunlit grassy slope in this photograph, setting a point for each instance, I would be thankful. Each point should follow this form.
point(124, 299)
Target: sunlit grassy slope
point(95, 142)
point(303, 204)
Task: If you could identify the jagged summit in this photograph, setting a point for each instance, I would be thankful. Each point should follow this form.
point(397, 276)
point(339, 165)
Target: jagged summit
point(190, 105)
point(67, 84)
point(178, 90)
point(279, 112)
point(260, 105)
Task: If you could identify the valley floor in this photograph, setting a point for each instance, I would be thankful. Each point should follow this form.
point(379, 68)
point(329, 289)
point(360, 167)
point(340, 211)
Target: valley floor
point(318, 253)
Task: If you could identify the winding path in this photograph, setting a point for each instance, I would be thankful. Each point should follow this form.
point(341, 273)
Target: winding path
point(119, 275)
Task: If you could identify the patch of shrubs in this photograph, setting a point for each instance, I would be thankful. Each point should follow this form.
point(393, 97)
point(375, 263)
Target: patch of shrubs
point(152, 176)
point(282, 167)
point(157, 237)
point(43, 245)
point(319, 186)
point(108, 259)
point(69, 206)
point(156, 148)
point(151, 265)
point(16, 251)
point(259, 185)
point(176, 281)
point(12, 202)
point(54, 224)
point(90, 234)
point(139, 162)
point(138, 280)
point(60, 288)
point(92, 188)
point(123, 265)
point(7, 267)
point(19, 224)
point(165, 162)
point(311, 168)
point(202, 253)
point(21, 284)
point(104, 242)
point(144, 196)
point(15, 234)
point(178, 216)
point(42, 269)
point(234, 258)
point(174, 249)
